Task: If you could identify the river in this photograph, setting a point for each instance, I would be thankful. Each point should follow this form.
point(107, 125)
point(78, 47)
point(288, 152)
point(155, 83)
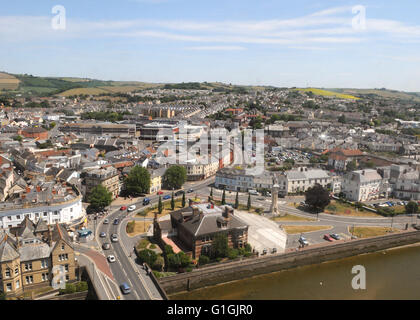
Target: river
point(391, 274)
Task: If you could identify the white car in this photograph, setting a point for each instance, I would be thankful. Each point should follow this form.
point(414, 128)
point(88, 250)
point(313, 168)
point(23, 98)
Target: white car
point(131, 208)
point(114, 238)
point(111, 259)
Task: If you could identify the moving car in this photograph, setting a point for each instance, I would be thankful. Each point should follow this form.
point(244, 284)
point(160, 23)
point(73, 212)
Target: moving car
point(116, 221)
point(111, 258)
point(114, 238)
point(123, 208)
point(106, 246)
point(159, 193)
point(125, 288)
point(179, 193)
point(106, 221)
point(167, 197)
point(131, 208)
point(335, 236)
point(102, 234)
point(328, 238)
point(146, 201)
point(190, 191)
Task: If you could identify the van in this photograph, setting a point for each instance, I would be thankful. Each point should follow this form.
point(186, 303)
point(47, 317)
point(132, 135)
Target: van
point(146, 201)
point(253, 192)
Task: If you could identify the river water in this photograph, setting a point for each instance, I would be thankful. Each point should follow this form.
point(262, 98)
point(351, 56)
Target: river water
point(392, 274)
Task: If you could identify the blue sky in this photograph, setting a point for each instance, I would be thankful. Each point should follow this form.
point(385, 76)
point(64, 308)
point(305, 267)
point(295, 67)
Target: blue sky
point(301, 43)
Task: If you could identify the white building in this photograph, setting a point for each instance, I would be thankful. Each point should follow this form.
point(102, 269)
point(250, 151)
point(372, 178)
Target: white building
point(362, 185)
point(302, 179)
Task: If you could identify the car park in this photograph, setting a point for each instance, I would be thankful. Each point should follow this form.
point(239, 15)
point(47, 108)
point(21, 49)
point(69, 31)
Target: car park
point(328, 238)
point(106, 246)
point(131, 208)
point(111, 259)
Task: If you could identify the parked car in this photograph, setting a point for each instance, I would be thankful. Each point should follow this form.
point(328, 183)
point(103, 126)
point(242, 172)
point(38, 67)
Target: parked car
point(102, 234)
point(114, 238)
point(335, 236)
point(179, 193)
point(106, 221)
point(265, 251)
point(111, 258)
point(167, 197)
point(253, 192)
point(123, 208)
point(416, 226)
point(190, 191)
point(146, 201)
point(303, 241)
point(159, 193)
point(131, 208)
point(125, 288)
point(116, 221)
point(274, 250)
point(328, 238)
point(106, 246)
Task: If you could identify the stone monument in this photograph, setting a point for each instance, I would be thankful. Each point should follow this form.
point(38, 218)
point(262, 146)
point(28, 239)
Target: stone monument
point(274, 210)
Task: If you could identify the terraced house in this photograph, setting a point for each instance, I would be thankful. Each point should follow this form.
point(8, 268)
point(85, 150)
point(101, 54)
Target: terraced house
point(31, 256)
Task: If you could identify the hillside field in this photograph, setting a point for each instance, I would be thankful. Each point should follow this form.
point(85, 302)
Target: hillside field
point(8, 82)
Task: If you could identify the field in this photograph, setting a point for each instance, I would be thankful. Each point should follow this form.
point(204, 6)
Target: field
point(326, 93)
point(393, 94)
point(8, 82)
point(139, 227)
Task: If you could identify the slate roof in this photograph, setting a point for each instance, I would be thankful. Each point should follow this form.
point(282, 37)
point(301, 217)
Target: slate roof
point(7, 250)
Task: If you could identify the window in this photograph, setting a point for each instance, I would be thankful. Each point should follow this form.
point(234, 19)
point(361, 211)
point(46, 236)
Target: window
point(45, 214)
point(7, 273)
point(67, 278)
point(44, 263)
point(8, 287)
point(55, 212)
point(17, 284)
point(29, 279)
point(18, 217)
point(62, 247)
point(9, 217)
point(16, 271)
point(45, 277)
point(28, 266)
point(66, 267)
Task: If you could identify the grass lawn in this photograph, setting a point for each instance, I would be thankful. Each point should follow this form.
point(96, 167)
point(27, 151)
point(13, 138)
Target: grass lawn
point(150, 212)
point(139, 227)
point(291, 217)
point(303, 229)
point(345, 209)
point(366, 232)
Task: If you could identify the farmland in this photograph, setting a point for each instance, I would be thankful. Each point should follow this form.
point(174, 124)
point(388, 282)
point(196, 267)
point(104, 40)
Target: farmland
point(8, 82)
point(326, 93)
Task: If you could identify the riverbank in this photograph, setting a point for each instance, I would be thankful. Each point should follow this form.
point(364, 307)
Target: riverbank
point(265, 265)
point(390, 274)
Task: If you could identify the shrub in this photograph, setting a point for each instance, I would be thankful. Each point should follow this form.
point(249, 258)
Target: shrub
point(70, 288)
point(130, 226)
point(248, 247)
point(158, 265)
point(152, 246)
point(147, 256)
point(233, 253)
point(168, 249)
point(203, 259)
point(82, 286)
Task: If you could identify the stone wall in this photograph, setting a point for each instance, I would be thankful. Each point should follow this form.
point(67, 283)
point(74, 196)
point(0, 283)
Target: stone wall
point(212, 275)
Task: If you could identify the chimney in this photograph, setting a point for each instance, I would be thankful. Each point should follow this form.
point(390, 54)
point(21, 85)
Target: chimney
point(28, 189)
point(38, 189)
point(49, 236)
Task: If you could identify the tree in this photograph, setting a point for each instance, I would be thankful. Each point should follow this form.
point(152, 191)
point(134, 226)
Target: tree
point(18, 138)
point(317, 198)
point(173, 202)
point(175, 177)
point(220, 247)
point(237, 200)
point(138, 181)
point(203, 259)
point(342, 119)
point(411, 207)
point(224, 197)
point(160, 205)
point(148, 256)
point(351, 166)
point(249, 202)
point(183, 200)
point(99, 198)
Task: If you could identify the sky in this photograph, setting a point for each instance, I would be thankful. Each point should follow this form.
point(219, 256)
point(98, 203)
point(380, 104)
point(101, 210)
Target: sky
point(302, 43)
